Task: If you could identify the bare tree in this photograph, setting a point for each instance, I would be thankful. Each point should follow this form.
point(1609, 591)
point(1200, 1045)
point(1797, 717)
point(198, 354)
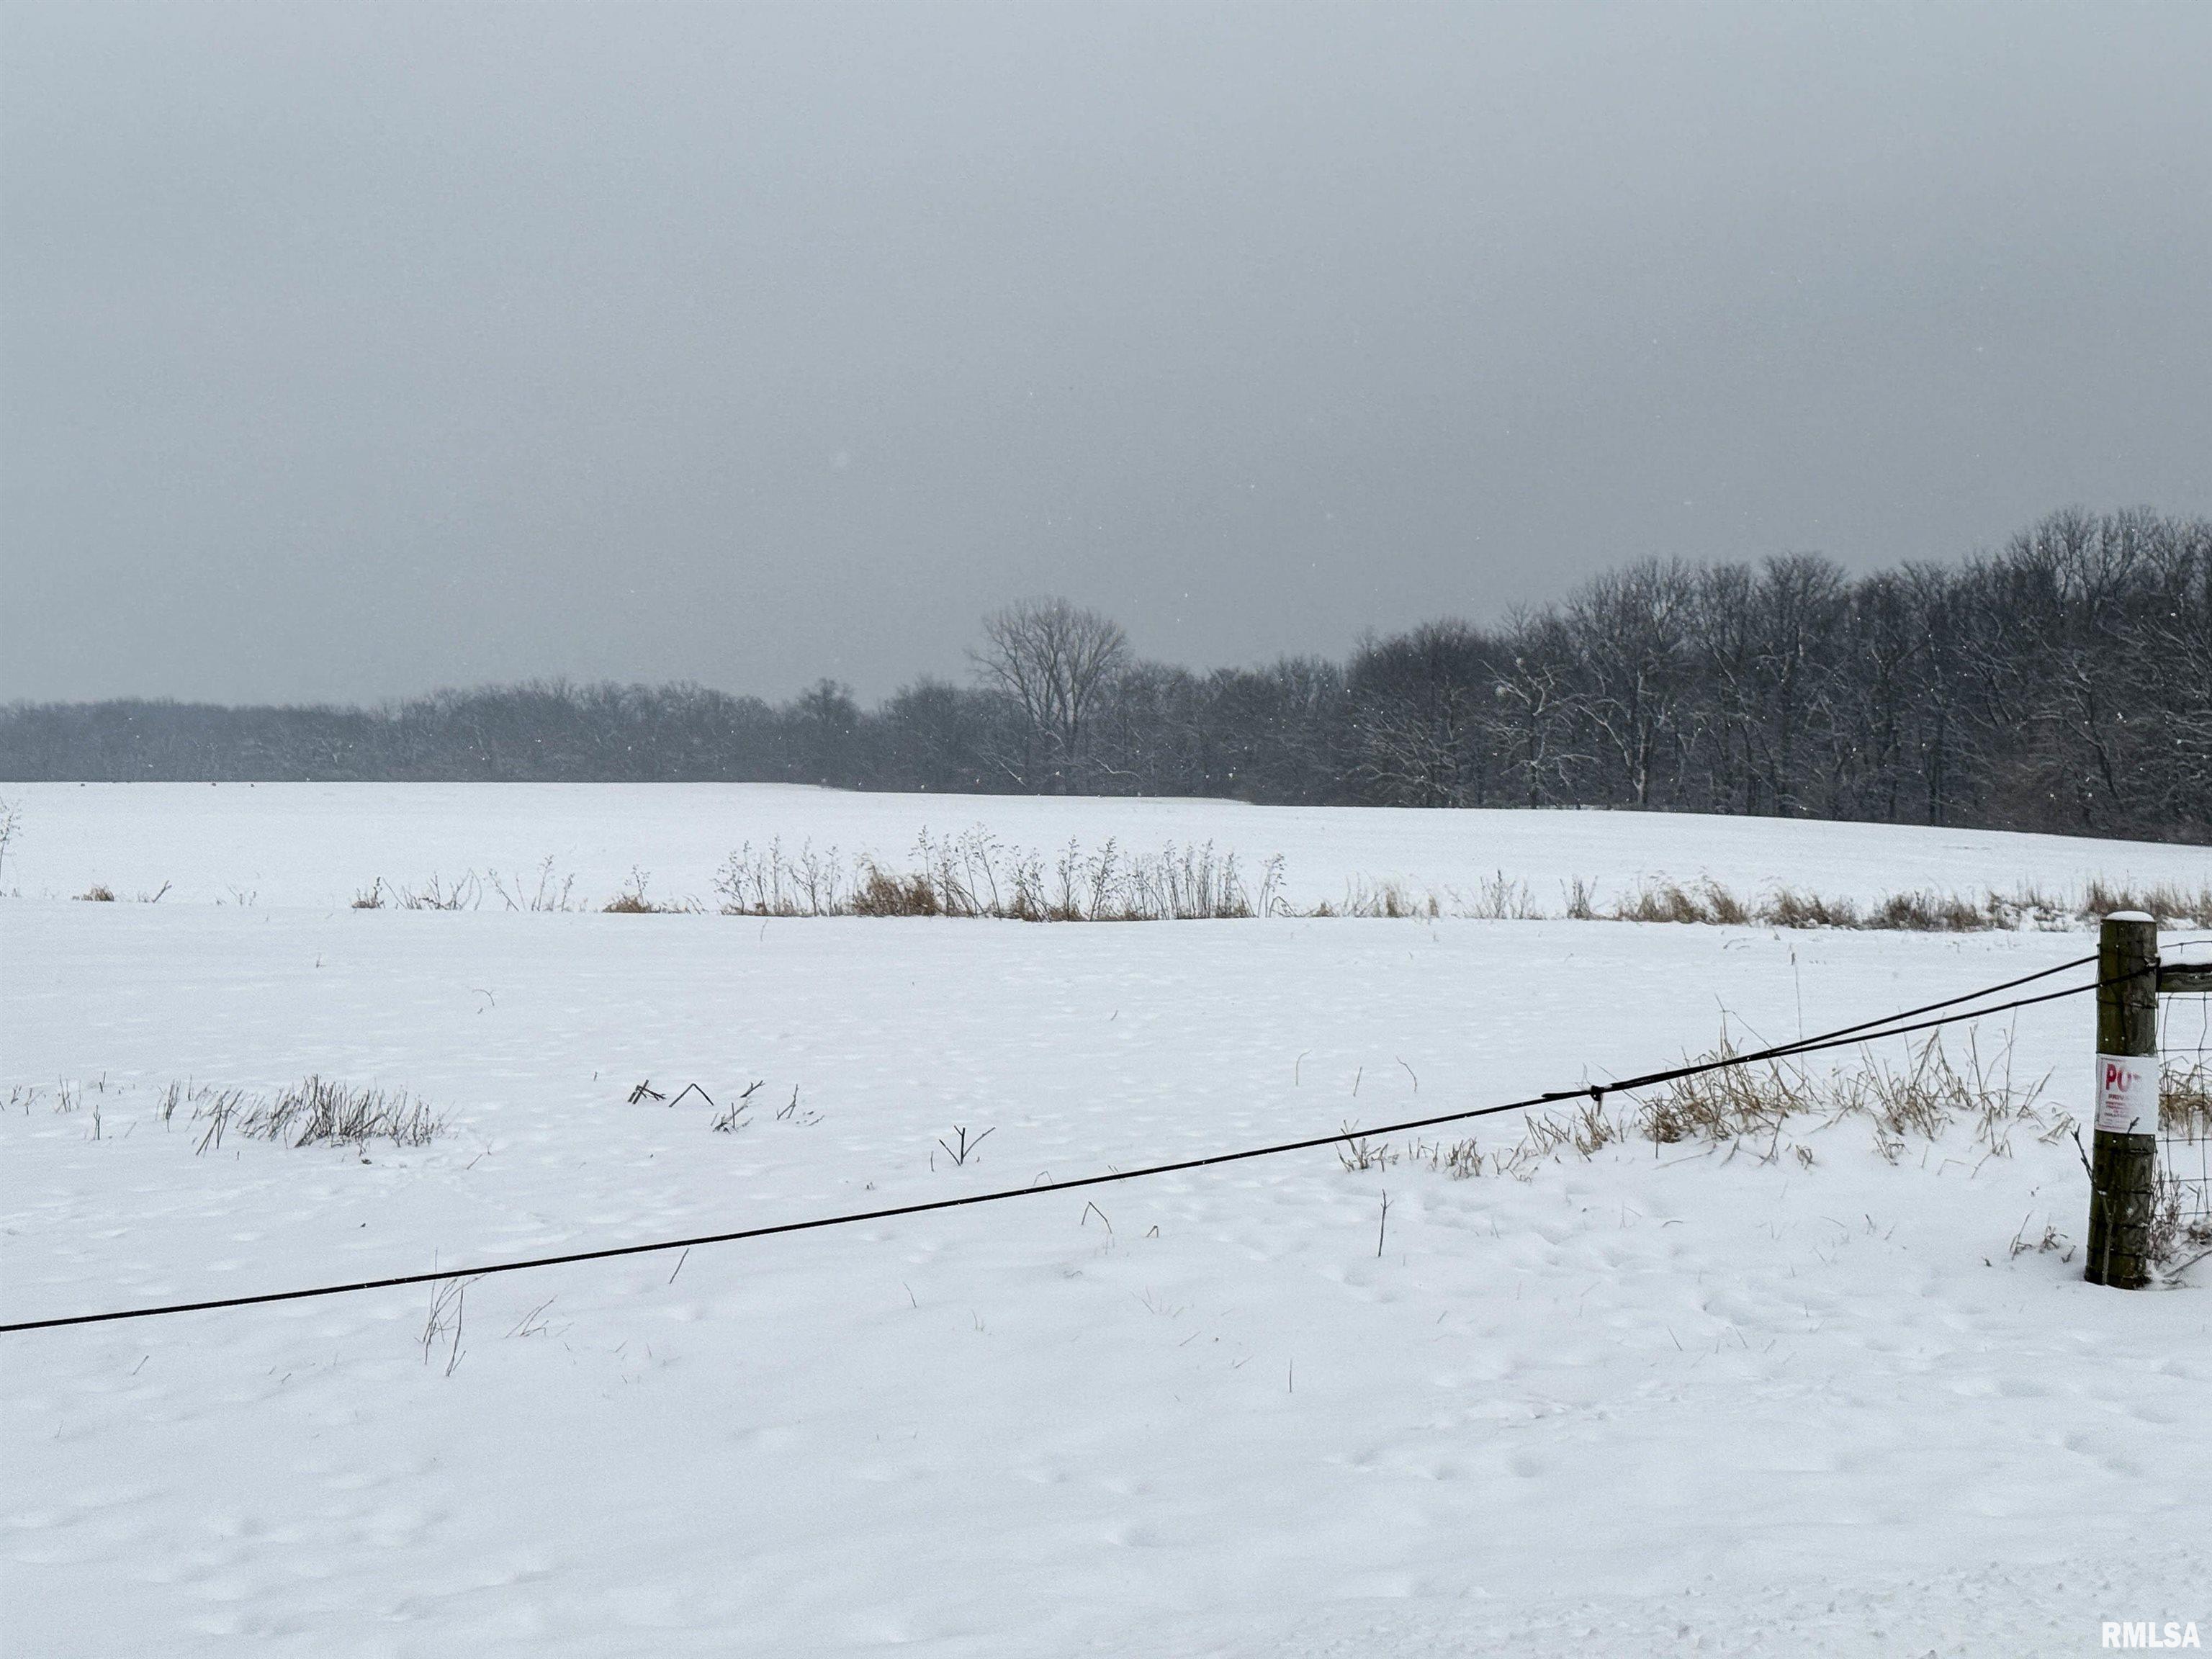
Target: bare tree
point(1419, 701)
point(1630, 628)
point(1055, 662)
point(1534, 708)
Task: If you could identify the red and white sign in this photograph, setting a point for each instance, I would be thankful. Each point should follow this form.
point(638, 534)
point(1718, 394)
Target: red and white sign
point(2127, 1094)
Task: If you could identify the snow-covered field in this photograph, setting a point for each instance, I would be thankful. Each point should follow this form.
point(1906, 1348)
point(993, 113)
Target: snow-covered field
point(1655, 1401)
point(323, 843)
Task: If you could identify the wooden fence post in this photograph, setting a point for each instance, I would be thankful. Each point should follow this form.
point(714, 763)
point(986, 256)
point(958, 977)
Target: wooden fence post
point(2123, 1169)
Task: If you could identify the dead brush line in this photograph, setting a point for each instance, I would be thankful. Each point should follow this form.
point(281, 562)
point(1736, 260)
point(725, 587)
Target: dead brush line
point(975, 875)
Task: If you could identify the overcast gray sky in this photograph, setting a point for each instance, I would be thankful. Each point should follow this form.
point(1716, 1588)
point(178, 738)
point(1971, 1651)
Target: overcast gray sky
point(352, 352)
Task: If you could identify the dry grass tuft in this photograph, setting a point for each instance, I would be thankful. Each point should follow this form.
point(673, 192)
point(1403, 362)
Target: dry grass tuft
point(312, 1112)
point(1720, 1106)
point(2178, 1228)
point(2185, 1099)
point(1388, 901)
point(465, 893)
point(1499, 898)
point(1932, 913)
point(2169, 902)
point(1767, 1107)
point(1920, 1098)
point(633, 901)
point(1707, 902)
point(883, 892)
point(1788, 908)
point(549, 891)
point(1359, 1152)
point(1665, 903)
point(99, 893)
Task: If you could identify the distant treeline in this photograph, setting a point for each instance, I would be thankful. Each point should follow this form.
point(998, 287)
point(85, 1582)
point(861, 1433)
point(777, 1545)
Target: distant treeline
point(2062, 684)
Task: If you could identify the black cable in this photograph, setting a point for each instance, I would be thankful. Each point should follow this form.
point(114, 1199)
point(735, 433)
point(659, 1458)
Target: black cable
point(1837, 1040)
point(1841, 1036)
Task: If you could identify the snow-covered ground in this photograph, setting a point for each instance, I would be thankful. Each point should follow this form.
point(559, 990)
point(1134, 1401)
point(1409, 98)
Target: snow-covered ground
point(293, 844)
point(1657, 1401)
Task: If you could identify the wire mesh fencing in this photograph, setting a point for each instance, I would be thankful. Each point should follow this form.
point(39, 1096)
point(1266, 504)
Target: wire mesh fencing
point(2182, 1228)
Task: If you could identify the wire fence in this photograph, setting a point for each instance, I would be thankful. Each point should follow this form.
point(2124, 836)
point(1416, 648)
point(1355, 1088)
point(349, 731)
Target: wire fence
point(2184, 1196)
point(1930, 1016)
point(2183, 1213)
